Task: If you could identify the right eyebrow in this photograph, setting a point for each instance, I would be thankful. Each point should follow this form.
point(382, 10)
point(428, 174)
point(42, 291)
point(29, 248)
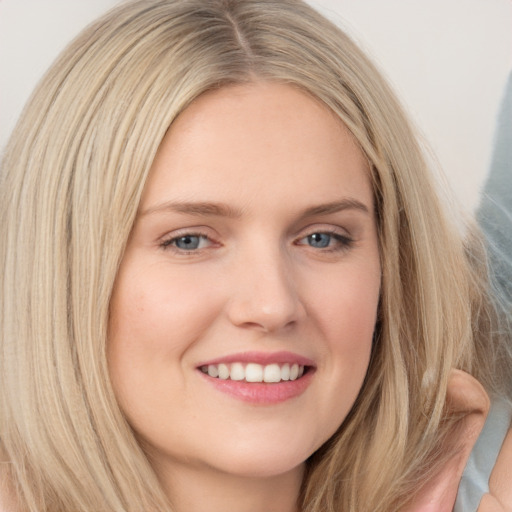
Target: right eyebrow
point(194, 208)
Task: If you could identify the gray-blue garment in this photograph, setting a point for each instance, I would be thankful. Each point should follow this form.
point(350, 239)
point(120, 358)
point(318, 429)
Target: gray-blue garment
point(495, 211)
point(475, 479)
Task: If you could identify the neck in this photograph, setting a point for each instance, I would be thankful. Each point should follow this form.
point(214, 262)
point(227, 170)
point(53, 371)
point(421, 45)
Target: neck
point(197, 490)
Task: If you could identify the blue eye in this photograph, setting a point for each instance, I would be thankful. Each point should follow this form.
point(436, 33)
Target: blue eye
point(319, 240)
point(187, 242)
point(326, 241)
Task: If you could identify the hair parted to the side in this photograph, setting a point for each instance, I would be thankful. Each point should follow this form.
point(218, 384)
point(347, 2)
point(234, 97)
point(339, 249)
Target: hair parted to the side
point(72, 176)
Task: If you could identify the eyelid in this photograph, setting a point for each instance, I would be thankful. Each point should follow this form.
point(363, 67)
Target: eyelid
point(330, 229)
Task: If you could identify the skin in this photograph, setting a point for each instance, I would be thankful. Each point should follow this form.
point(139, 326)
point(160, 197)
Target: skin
point(268, 154)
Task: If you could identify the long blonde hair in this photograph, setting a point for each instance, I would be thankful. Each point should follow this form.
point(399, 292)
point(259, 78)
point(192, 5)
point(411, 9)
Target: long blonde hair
point(72, 176)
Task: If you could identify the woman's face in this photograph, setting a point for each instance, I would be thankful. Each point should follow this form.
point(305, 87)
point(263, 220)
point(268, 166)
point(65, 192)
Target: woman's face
point(254, 256)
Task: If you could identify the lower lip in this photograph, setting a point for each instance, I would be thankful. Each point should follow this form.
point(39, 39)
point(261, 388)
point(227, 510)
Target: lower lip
point(261, 392)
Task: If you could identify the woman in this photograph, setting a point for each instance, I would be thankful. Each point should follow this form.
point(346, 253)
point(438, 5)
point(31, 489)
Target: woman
point(228, 281)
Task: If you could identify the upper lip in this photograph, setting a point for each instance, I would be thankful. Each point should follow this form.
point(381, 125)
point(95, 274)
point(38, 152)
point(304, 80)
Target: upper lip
point(262, 358)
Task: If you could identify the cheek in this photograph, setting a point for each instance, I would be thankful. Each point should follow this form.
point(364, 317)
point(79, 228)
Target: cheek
point(346, 319)
point(155, 318)
point(346, 313)
point(346, 306)
point(159, 310)
point(349, 331)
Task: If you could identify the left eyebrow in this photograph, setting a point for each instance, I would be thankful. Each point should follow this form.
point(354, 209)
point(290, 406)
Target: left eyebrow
point(335, 207)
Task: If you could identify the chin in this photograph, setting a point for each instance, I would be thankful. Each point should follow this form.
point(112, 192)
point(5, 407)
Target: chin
point(263, 467)
point(260, 461)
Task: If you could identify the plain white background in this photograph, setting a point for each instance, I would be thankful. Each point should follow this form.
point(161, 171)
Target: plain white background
point(447, 59)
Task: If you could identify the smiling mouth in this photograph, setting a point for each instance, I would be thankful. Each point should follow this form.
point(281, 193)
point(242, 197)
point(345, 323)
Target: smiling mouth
point(254, 372)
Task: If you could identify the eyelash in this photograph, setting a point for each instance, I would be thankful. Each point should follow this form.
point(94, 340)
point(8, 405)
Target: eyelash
point(342, 242)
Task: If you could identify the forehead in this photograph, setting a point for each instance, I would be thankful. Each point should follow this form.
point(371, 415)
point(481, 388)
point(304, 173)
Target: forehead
point(270, 139)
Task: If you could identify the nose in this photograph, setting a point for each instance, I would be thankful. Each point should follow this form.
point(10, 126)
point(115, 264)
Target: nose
point(264, 294)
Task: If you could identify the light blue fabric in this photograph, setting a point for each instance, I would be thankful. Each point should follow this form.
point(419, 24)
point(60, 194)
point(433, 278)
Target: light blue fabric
point(495, 211)
point(475, 479)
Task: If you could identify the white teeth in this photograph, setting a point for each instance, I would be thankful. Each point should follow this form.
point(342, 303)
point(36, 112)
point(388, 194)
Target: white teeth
point(223, 372)
point(272, 373)
point(237, 372)
point(213, 371)
point(253, 372)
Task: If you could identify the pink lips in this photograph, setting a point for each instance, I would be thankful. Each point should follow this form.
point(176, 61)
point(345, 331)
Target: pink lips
point(261, 392)
point(261, 358)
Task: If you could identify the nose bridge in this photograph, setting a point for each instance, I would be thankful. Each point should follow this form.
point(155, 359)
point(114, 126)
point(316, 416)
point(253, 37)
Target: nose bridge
point(264, 294)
